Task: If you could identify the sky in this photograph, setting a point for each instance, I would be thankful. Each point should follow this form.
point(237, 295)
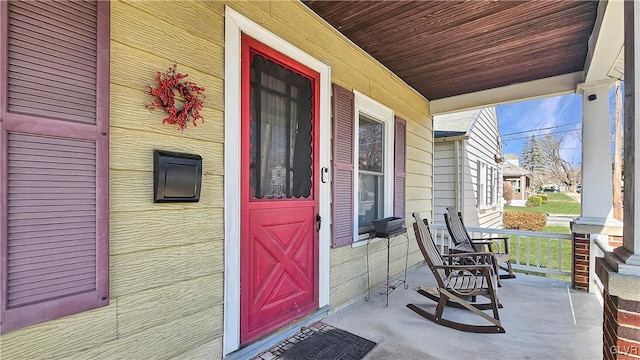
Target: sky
point(560, 116)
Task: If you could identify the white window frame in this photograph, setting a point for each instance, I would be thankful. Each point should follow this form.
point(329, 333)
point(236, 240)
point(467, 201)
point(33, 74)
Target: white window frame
point(481, 196)
point(378, 112)
point(494, 186)
point(487, 180)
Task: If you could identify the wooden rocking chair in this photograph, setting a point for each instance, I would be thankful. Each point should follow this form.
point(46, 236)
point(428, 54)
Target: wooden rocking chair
point(498, 246)
point(458, 282)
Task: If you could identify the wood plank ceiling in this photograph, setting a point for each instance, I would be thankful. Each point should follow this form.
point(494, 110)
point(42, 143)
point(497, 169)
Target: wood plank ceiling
point(446, 48)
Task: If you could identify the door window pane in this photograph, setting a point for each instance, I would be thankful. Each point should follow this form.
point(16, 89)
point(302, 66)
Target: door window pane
point(281, 131)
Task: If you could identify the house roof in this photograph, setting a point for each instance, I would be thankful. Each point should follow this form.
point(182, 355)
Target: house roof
point(454, 124)
point(510, 169)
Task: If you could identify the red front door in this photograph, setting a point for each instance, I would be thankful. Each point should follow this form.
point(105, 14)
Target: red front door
point(279, 240)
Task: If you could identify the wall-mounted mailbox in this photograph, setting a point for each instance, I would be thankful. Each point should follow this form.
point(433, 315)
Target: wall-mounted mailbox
point(177, 177)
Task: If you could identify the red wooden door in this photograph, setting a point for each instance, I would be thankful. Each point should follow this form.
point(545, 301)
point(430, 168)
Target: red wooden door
point(279, 240)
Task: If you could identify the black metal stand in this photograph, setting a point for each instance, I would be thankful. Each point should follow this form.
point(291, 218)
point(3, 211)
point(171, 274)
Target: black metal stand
point(388, 238)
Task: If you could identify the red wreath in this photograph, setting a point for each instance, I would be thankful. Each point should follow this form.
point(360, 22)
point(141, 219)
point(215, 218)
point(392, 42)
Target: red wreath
point(170, 85)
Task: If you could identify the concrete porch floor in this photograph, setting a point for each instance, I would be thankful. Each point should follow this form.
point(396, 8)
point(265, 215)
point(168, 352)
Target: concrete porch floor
point(537, 317)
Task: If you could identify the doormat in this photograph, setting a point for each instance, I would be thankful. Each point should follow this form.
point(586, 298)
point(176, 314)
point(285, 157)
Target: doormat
point(320, 342)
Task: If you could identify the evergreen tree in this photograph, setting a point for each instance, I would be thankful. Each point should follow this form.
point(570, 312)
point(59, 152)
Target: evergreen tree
point(534, 159)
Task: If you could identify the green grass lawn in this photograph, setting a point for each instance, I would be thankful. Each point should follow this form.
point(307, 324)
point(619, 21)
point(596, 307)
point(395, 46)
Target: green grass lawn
point(558, 203)
point(558, 229)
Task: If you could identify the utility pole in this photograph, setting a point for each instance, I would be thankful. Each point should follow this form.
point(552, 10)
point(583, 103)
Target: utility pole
point(617, 157)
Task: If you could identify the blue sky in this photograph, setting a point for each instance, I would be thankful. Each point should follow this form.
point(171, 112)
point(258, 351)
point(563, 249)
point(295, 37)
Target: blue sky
point(560, 115)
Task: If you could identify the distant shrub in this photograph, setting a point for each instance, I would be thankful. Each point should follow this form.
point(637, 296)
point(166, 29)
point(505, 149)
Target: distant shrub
point(522, 220)
point(544, 198)
point(534, 201)
point(507, 191)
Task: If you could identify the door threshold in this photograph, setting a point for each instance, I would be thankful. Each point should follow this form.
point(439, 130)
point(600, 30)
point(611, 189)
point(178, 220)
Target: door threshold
point(279, 336)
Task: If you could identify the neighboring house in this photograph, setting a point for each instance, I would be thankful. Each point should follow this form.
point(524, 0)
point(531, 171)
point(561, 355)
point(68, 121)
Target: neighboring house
point(467, 167)
point(298, 156)
point(519, 178)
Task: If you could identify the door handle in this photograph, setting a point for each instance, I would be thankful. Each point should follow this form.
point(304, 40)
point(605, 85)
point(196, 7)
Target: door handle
point(318, 222)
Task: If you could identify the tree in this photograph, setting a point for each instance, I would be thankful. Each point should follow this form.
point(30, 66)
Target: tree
point(535, 160)
point(559, 169)
point(542, 158)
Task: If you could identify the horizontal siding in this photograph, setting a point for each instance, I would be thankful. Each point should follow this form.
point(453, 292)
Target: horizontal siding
point(131, 272)
point(163, 341)
point(62, 337)
point(482, 145)
point(146, 309)
point(444, 186)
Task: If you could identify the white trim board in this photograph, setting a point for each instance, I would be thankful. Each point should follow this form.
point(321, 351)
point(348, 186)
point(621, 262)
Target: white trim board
point(536, 89)
point(235, 25)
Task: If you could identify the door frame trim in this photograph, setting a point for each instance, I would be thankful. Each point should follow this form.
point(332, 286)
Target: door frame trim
point(235, 25)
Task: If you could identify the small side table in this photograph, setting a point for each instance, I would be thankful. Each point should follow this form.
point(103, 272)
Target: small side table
point(388, 238)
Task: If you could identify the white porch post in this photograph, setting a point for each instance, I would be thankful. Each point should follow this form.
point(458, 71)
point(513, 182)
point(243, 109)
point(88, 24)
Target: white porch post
point(596, 221)
point(597, 182)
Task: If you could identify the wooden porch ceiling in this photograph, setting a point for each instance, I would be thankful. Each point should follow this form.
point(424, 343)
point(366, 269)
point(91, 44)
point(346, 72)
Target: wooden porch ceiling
point(446, 48)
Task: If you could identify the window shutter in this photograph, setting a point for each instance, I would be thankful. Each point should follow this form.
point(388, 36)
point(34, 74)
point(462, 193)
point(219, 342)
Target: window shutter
point(343, 166)
point(400, 155)
point(54, 161)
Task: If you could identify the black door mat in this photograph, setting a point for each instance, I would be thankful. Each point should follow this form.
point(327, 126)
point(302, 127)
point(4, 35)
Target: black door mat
point(319, 342)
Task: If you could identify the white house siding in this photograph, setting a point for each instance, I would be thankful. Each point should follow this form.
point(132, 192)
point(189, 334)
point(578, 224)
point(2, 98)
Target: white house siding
point(482, 144)
point(444, 178)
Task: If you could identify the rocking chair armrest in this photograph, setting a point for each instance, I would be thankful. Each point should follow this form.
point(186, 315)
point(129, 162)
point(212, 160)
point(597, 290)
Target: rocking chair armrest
point(480, 267)
point(486, 255)
point(491, 240)
point(482, 241)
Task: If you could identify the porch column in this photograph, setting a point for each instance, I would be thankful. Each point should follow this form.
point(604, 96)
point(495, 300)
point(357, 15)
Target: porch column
point(597, 182)
point(596, 221)
point(619, 270)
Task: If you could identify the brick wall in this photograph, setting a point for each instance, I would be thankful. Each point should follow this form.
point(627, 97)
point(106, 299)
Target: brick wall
point(580, 272)
point(615, 241)
point(621, 328)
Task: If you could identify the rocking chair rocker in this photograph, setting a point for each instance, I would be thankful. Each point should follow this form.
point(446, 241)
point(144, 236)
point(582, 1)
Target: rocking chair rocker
point(497, 246)
point(457, 282)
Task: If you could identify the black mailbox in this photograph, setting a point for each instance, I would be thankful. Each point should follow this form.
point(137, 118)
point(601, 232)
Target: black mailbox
point(177, 177)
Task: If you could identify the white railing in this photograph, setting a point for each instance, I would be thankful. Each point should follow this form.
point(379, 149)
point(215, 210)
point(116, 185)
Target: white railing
point(534, 251)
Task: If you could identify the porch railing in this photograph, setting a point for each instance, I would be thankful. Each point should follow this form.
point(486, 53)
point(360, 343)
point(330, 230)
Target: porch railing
point(531, 251)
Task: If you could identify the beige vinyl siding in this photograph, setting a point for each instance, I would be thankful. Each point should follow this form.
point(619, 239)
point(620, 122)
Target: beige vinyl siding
point(167, 260)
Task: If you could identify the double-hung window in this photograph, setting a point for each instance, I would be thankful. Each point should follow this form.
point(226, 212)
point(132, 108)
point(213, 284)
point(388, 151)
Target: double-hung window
point(487, 185)
point(374, 185)
point(369, 160)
